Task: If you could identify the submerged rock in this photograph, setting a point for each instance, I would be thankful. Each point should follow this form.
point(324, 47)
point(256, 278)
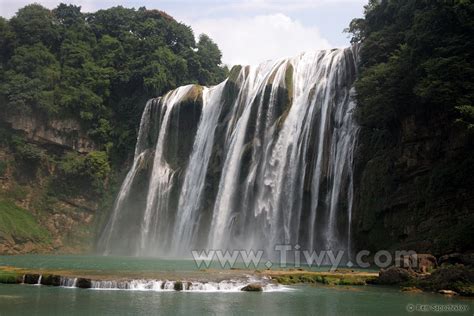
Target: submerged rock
point(252, 287)
point(411, 289)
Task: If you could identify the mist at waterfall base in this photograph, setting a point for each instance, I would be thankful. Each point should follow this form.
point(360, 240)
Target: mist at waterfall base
point(262, 159)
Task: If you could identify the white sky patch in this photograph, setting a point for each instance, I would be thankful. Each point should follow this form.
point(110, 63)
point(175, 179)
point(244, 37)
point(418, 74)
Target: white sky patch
point(256, 39)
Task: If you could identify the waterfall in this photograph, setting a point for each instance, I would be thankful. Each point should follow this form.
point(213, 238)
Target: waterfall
point(262, 159)
point(194, 179)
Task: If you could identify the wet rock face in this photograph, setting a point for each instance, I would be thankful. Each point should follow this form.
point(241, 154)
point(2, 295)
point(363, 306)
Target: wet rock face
point(178, 286)
point(184, 122)
point(421, 263)
point(52, 280)
point(31, 278)
point(83, 283)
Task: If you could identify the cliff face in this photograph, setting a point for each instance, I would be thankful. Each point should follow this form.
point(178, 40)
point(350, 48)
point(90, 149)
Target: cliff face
point(414, 186)
point(38, 212)
point(59, 132)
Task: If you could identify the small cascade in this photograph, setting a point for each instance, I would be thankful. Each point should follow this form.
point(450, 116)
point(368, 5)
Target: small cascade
point(68, 282)
point(185, 286)
point(39, 279)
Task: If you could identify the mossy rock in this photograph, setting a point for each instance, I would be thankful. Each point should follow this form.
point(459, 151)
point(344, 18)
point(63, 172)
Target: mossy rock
point(234, 73)
point(21, 224)
point(9, 277)
point(183, 125)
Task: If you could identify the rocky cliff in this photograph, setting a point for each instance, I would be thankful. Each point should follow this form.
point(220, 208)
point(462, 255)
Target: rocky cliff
point(43, 206)
point(65, 133)
point(414, 186)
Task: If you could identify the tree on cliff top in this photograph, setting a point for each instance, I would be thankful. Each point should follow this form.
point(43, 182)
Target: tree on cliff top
point(99, 67)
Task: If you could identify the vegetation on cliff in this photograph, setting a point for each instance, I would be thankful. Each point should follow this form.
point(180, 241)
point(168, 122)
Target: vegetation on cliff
point(415, 164)
point(84, 79)
point(99, 67)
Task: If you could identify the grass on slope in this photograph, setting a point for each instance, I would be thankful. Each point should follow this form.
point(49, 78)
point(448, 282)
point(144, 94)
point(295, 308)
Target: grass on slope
point(17, 222)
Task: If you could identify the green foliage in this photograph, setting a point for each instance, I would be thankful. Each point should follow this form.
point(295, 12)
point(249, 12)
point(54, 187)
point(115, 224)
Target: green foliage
point(416, 56)
point(83, 174)
point(34, 24)
point(27, 152)
point(99, 67)
point(467, 116)
point(17, 222)
point(97, 168)
point(30, 78)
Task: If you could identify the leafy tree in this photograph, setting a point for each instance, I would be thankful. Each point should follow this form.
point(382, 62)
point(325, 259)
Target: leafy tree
point(209, 57)
point(30, 79)
point(34, 24)
point(417, 56)
point(99, 68)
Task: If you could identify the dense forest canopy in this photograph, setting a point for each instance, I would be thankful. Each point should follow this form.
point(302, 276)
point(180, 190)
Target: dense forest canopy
point(99, 67)
point(416, 57)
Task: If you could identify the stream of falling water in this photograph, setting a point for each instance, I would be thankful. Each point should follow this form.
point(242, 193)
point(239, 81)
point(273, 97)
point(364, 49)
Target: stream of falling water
point(269, 162)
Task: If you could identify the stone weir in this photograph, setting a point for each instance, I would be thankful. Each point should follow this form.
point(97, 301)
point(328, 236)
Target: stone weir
point(233, 280)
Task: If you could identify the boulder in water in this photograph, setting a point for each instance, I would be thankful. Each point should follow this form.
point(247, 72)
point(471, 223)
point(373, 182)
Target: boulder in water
point(178, 286)
point(51, 279)
point(84, 283)
point(252, 287)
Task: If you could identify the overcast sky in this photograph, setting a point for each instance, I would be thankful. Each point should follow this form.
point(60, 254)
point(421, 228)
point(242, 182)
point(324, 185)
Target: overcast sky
point(247, 31)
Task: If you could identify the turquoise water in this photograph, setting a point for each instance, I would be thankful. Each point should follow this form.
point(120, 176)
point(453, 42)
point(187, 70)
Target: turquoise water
point(113, 264)
point(298, 300)
point(302, 300)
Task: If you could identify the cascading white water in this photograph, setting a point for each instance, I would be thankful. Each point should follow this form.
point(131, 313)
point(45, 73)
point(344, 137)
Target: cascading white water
point(127, 183)
point(266, 159)
point(224, 286)
point(155, 221)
